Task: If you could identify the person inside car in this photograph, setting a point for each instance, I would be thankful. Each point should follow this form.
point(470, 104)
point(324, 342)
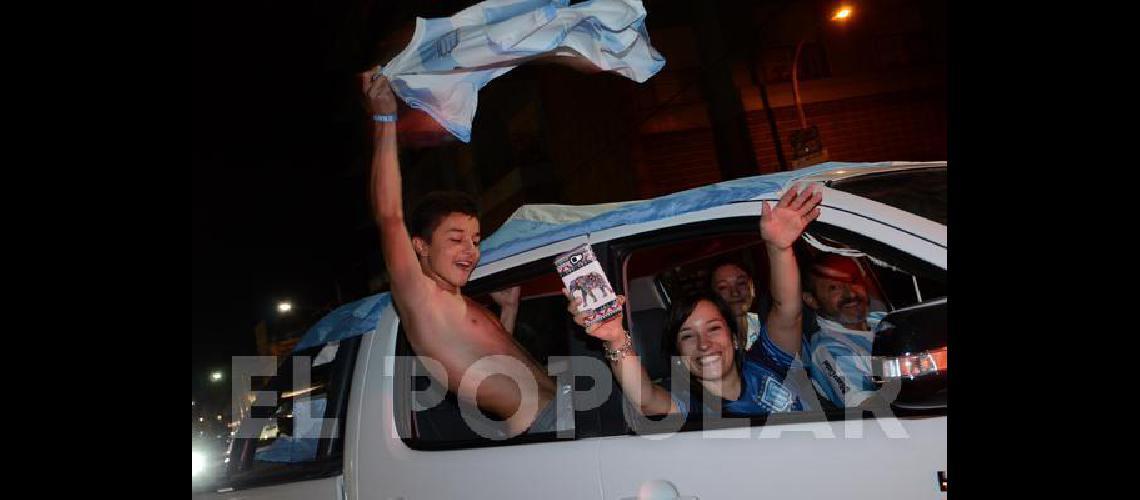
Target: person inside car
point(839, 352)
point(735, 286)
point(703, 331)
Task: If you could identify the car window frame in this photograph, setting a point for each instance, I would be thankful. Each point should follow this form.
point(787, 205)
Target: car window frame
point(620, 250)
point(329, 459)
point(584, 425)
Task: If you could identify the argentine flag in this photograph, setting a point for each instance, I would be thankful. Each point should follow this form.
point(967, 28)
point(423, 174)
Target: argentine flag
point(450, 59)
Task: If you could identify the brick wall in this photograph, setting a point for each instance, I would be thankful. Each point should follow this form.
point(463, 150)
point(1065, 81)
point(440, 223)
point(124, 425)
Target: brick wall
point(678, 160)
point(899, 126)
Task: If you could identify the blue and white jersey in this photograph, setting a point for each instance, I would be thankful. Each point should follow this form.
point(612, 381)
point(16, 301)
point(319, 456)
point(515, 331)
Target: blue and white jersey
point(840, 361)
point(752, 320)
point(450, 59)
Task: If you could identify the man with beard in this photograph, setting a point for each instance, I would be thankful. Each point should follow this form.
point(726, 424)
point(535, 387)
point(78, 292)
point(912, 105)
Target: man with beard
point(840, 352)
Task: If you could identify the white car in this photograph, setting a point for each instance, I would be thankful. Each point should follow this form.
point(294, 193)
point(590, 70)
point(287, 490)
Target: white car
point(397, 435)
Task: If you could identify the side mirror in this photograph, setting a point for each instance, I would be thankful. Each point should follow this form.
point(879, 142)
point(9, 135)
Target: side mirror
point(910, 344)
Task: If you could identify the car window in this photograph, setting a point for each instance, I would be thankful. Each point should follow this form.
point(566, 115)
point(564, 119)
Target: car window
point(918, 191)
point(298, 435)
point(661, 269)
point(846, 354)
point(431, 418)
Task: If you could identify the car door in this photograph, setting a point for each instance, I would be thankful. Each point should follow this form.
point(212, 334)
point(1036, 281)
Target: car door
point(290, 439)
point(392, 456)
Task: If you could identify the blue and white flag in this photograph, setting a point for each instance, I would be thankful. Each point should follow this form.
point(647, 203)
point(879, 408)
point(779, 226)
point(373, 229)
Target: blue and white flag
point(450, 59)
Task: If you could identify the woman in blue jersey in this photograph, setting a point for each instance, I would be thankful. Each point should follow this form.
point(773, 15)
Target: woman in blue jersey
point(702, 332)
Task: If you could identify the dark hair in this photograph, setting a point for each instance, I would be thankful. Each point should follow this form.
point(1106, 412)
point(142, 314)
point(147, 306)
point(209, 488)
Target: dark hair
point(682, 309)
point(725, 262)
point(434, 207)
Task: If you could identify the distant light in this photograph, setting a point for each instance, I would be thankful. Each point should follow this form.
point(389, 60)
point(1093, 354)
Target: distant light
point(842, 13)
point(198, 463)
point(201, 419)
point(219, 417)
point(216, 377)
point(302, 391)
point(841, 171)
point(284, 306)
point(192, 403)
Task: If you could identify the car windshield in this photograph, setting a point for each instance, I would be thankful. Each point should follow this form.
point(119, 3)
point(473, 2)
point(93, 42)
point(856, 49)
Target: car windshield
point(921, 192)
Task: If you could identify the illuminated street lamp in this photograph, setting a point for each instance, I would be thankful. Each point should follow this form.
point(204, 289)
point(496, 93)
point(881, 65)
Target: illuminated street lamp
point(216, 376)
point(284, 306)
point(806, 143)
point(841, 13)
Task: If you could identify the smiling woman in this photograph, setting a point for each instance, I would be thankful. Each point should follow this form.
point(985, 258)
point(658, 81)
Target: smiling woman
point(702, 335)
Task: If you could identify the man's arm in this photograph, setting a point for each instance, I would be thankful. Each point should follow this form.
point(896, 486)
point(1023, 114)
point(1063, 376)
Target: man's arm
point(387, 202)
point(780, 227)
point(508, 300)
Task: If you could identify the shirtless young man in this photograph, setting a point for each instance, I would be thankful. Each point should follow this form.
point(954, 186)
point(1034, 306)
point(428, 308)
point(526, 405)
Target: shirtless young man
point(427, 271)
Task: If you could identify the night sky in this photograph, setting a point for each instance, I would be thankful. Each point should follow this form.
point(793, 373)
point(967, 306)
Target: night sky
point(279, 151)
point(280, 160)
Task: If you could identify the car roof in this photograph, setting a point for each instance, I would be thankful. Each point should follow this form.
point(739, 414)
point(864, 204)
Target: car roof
point(536, 225)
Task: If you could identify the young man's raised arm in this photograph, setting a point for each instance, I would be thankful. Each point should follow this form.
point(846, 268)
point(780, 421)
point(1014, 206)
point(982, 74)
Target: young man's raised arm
point(780, 227)
point(387, 203)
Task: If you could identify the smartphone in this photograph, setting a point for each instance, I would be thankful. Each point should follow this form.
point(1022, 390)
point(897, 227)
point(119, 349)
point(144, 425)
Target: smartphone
point(583, 277)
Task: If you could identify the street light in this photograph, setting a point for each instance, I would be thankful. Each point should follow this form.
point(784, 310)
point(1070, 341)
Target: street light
point(284, 306)
point(216, 376)
point(842, 13)
point(806, 142)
